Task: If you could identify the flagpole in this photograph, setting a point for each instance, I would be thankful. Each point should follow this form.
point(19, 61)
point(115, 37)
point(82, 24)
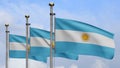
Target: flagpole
point(54, 40)
point(7, 44)
point(27, 38)
point(51, 33)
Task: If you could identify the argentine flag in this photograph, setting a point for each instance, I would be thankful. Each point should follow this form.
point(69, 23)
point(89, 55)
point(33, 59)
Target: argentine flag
point(78, 38)
point(17, 54)
point(40, 45)
point(39, 41)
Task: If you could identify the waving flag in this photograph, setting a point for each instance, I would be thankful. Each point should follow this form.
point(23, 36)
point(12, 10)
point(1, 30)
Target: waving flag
point(40, 45)
point(17, 54)
point(17, 46)
point(78, 38)
point(39, 41)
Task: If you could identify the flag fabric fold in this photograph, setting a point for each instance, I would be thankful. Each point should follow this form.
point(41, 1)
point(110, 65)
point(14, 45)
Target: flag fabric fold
point(17, 52)
point(17, 46)
point(78, 38)
point(39, 41)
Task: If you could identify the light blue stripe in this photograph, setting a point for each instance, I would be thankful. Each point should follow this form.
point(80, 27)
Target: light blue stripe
point(67, 56)
point(84, 49)
point(35, 32)
point(17, 38)
point(22, 54)
point(40, 54)
point(40, 51)
point(17, 54)
point(66, 24)
point(39, 58)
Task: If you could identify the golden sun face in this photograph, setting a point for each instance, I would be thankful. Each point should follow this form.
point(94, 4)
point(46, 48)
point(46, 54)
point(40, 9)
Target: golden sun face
point(85, 37)
point(53, 45)
point(28, 48)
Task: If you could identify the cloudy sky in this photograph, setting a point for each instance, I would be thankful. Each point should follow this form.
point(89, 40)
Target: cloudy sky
point(101, 13)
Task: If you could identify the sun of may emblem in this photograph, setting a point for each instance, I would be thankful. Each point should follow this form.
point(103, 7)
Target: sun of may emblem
point(53, 45)
point(85, 37)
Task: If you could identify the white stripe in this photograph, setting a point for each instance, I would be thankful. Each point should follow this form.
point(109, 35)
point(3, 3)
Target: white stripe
point(37, 41)
point(17, 46)
point(75, 36)
point(21, 63)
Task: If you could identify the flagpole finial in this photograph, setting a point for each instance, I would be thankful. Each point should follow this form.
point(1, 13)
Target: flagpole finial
point(6, 25)
point(51, 4)
point(27, 16)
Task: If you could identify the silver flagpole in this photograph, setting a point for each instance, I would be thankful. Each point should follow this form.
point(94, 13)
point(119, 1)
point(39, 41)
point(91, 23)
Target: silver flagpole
point(7, 44)
point(54, 41)
point(51, 33)
point(27, 38)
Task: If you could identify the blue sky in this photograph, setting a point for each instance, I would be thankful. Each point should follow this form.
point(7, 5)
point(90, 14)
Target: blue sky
point(101, 13)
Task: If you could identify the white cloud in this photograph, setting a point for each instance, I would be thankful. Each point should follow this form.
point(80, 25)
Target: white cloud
point(60, 67)
point(5, 17)
point(99, 64)
point(2, 66)
point(81, 16)
point(74, 66)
